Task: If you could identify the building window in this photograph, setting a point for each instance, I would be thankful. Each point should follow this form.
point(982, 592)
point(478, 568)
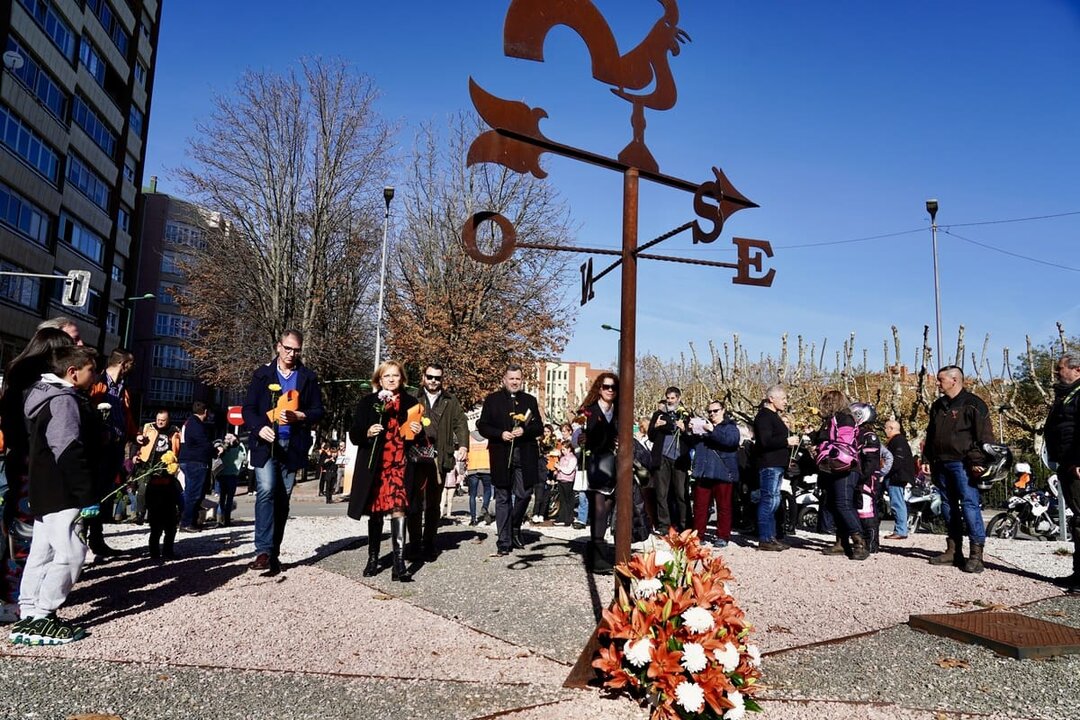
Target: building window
point(107, 17)
point(140, 72)
point(112, 321)
point(118, 269)
point(171, 262)
point(171, 390)
point(88, 182)
point(85, 117)
point(28, 145)
point(78, 236)
point(169, 293)
point(169, 325)
point(123, 219)
point(129, 169)
point(23, 216)
point(91, 60)
point(38, 81)
point(172, 357)
point(186, 235)
point(25, 291)
point(57, 29)
point(135, 120)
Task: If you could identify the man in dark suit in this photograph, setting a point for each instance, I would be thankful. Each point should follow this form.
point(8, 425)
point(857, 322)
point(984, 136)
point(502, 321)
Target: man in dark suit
point(510, 420)
point(278, 450)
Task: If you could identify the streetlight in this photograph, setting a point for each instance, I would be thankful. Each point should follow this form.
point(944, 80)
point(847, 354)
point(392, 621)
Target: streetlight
point(932, 207)
point(612, 328)
point(388, 195)
point(131, 312)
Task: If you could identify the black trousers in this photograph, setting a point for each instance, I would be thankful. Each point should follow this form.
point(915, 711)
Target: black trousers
point(423, 517)
point(566, 502)
point(511, 504)
point(162, 510)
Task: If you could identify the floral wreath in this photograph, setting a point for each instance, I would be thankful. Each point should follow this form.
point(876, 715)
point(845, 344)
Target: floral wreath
point(679, 641)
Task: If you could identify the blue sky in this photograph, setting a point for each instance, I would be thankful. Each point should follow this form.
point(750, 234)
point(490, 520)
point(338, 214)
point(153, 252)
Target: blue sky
point(840, 119)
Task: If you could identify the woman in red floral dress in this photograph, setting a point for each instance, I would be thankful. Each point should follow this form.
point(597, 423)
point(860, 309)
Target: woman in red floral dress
point(382, 477)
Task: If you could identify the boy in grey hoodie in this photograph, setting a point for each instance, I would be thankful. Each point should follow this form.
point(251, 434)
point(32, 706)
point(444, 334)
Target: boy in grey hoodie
point(62, 437)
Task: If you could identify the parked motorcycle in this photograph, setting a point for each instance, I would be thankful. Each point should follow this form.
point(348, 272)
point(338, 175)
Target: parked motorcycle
point(924, 507)
point(1031, 512)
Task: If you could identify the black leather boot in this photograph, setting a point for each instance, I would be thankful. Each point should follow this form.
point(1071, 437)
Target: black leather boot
point(974, 563)
point(400, 571)
point(375, 523)
point(515, 539)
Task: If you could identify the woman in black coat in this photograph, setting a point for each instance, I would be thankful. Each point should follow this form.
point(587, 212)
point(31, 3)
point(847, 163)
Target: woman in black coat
point(383, 476)
point(597, 442)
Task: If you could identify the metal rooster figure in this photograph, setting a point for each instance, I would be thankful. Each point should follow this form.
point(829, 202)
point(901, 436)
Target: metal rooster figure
point(642, 77)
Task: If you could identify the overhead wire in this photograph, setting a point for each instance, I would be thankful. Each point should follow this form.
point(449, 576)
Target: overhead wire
point(1010, 253)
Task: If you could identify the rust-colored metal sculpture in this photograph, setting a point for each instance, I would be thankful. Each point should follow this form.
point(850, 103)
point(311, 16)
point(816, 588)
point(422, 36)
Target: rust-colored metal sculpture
point(515, 142)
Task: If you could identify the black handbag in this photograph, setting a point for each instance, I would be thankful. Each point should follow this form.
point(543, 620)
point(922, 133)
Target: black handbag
point(421, 453)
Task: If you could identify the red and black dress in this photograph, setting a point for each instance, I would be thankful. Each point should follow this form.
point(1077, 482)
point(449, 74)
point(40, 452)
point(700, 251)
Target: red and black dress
point(389, 494)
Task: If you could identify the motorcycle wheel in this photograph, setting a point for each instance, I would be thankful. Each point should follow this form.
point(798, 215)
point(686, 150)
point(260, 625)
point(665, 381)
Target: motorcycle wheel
point(808, 519)
point(1003, 525)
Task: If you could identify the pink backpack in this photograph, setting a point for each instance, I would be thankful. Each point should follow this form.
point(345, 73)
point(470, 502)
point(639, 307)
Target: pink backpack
point(838, 454)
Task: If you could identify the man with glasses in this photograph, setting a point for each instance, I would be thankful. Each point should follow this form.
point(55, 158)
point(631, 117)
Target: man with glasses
point(667, 431)
point(1063, 448)
point(286, 390)
point(448, 433)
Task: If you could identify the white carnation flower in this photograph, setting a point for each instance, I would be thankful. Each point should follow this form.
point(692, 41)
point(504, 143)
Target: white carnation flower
point(755, 655)
point(663, 557)
point(693, 657)
point(638, 654)
point(690, 696)
point(737, 712)
point(728, 657)
point(698, 619)
point(647, 588)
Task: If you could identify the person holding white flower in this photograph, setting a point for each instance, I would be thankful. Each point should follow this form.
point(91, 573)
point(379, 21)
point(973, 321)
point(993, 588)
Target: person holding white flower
point(383, 479)
point(510, 420)
point(283, 403)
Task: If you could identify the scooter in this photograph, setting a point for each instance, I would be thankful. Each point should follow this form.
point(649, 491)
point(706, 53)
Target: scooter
point(1030, 511)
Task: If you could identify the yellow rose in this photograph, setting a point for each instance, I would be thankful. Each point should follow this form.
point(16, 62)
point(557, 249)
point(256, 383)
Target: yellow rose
point(274, 387)
point(172, 468)
point(168, 458)
point(425, 422)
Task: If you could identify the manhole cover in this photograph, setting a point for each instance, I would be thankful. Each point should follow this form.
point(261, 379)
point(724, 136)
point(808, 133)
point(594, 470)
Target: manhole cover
point(1010, 634)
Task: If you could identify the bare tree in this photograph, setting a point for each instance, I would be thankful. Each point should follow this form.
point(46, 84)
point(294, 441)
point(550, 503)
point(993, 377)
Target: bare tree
point(444, 306)
point(294, 162)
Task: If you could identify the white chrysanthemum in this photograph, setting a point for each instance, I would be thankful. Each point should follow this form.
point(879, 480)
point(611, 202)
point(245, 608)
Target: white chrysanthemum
point(647, 588)
point(690, 696)
point(694, 658)
point(727, 590)
point(638, 654)
point(755, 655)
point(663, 557)
point(698, 619)
point(728, 657)
point(737, 712)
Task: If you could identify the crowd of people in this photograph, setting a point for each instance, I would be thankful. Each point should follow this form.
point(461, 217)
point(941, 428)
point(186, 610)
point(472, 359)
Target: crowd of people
point(72, 447)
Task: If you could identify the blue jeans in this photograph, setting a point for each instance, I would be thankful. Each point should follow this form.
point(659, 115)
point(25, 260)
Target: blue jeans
point(769, 479)
point(583, 508)
point(899, 508)
point(962, 500)
point(194, 481)
point(273, 488)
point(476, 480)
point(843, 504)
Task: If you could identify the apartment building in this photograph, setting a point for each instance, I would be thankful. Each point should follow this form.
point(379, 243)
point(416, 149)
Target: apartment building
point(75, 92)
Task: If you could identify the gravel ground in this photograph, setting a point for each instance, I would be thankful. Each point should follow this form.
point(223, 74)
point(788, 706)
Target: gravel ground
point(478, 636)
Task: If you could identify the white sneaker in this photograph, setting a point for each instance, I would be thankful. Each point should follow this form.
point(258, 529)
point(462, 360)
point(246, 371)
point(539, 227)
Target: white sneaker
point(537, 519)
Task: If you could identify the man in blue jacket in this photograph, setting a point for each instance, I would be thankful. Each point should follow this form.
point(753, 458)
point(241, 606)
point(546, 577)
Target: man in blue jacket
point(279, 449)
point(196, 454)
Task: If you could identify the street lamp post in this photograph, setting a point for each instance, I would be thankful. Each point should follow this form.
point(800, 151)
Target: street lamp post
point(932, 208)
point(388, 195)
point(130, 302)
point(612, 328)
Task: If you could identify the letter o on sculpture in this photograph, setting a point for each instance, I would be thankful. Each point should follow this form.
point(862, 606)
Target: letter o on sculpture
point(468, 238)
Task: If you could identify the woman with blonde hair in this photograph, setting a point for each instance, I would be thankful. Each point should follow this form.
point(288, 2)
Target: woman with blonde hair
point(383, 477)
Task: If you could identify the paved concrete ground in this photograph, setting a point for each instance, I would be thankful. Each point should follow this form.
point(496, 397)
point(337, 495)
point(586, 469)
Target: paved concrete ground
point(481, 637)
